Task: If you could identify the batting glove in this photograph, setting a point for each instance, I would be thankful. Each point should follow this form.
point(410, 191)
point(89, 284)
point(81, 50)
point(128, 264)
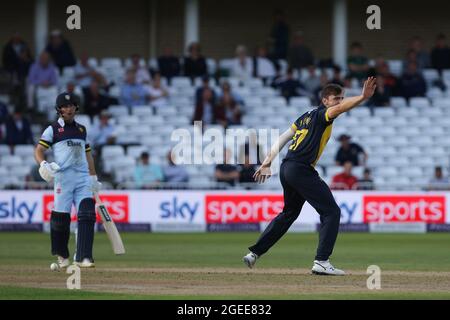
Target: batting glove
point(95, 184)
point(48, 170)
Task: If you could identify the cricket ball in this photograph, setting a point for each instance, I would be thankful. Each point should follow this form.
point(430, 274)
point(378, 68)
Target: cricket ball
point(54, 267)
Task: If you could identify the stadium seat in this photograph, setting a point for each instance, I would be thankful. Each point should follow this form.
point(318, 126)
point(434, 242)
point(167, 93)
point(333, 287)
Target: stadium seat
point(181, 82)
point(385, 112)
point(398, 102)
point(112, 152)
point(11, 161)
point(411, 172)
point(111, 63)
point(419, 102)
point(24, 150)
point(142, 111)
point(300, 102)
point(118, 111)
point(386, 172)
point(430, 75)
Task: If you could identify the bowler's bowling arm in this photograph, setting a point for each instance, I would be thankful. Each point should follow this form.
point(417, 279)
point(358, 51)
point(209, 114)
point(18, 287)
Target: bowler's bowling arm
point(278, 145)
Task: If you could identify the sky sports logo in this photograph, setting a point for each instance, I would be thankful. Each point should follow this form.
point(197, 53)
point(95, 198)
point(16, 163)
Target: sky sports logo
point(404, 208)
point(242, 209)
point(117, 206)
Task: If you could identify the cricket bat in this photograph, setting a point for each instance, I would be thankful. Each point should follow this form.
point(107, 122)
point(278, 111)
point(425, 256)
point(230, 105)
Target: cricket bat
point(110, 227)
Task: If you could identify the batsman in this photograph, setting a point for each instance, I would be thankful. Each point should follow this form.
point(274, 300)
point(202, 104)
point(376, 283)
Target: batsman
point(75, 180)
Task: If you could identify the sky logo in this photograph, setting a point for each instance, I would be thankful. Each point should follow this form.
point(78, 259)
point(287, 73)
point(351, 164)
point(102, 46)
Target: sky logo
point(17, 211)
point(177, 209)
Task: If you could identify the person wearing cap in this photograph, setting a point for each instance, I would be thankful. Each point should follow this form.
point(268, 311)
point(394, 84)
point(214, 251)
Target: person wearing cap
point(75, 181)
point(350, 151)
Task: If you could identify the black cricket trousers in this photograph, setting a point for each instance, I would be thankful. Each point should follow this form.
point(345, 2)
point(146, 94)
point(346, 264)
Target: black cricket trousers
point(302, 183)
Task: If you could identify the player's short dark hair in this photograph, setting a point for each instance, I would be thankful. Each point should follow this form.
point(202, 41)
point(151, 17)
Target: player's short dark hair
point(331, 89)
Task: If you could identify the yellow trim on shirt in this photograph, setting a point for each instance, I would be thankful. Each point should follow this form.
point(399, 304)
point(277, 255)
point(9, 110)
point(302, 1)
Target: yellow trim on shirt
point(44, 144)
point(294, 126)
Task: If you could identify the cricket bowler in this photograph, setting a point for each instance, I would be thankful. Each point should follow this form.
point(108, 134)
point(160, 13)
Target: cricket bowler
point(301, 182)
point(75, 180)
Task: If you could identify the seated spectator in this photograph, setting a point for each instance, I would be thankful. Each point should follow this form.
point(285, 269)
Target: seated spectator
point(85, 74)
point(382, 94)
point(262, 67)
point(253, 149)
point(412, 83)
point(169, 64)
point(147, 175)
point(337, 77)
point(350, 152)
point(17, 57)
point(344, 180)
point(312, 81)
point(391, 82)
point(103, 132)
point(323, 82)
point(43, 73)
point(226, 172)
point(440, 55)
point(279, 36)
point(242, 67)
point(132, 93)
point(226, 88)
point(95, 101)
point(422, 55)
point(71, 89)
point(207, 112)
point(158, 95)
point(4, 115)
point(246, 171)
point(205, 86)
point(357, 62)
point(228, 106)
point(290, 87)
point(439, 182)
point(141, 72)
point(195, 64)
point(299, 55)
point(174, 173)
point(411, 56)
point(366, 182)
point(60, 50)
point(18, 129)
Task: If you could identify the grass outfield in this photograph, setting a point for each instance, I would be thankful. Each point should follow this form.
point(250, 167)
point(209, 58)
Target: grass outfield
point(208, 266)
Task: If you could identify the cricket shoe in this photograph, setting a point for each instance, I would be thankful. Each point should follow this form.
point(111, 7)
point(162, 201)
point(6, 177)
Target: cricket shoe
point(326, 268)
point(86, 263)
point(62, 263)
point(250, 259)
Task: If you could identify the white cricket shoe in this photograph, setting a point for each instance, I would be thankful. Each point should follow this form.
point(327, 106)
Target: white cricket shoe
point(326, 268)
point(86, 263)
point(62, 263)
point(250, 259)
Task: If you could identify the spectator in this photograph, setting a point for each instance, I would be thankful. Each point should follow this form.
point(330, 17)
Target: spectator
point(95, 101)
point(142, 74)
point(85, 74)
point(226, 172)
point(43, 73)
point(440, 55)
point(206, 110)
point(174, 173)
point(4, 115)
point(253, 149)
point(246, 171)
point(158, 95)
point(412, 82)
point(262, 67)
point(103, 132)
point(228, 106)
point(357, 62)
point(366, 182)
point(382, 94)
point(411, 56)
point(423, 57)
point(312, 81)
point(439, 182)
point(147, 175)
point(205, 86)
point(279, 36)
point(337, 76)
point(350, 152)
point(345, 180)
point(18, 129)
point(290, 87)
point(195, 64)
point(71, 89)
point(169, 64)
point(132, 93)
point(17, 57)
point(300, 56)
point(323, 82)
point(242, 67)
point(60, 50)
point(391, 82)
